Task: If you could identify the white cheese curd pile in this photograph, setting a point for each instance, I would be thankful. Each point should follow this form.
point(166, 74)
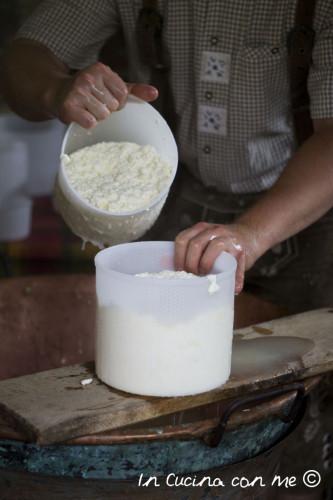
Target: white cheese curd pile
point(166, 274)
point(117, 176)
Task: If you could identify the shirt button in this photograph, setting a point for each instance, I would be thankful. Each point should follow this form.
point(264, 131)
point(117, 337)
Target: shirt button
point(275, 50)
point(207, 149)
point(208, 95)
point(214, 40)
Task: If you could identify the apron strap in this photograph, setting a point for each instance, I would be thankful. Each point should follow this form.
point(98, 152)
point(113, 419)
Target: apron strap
point(149, 33)
point(155, 56)
point(300, 45)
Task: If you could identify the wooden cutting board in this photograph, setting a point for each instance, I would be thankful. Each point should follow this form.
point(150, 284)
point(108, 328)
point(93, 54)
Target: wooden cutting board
point(53, 406)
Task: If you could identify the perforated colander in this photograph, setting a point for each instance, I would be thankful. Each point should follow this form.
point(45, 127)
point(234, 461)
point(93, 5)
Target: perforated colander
point(137, 122)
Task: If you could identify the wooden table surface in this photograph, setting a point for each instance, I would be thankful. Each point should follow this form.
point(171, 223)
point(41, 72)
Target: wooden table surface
point(53, 406)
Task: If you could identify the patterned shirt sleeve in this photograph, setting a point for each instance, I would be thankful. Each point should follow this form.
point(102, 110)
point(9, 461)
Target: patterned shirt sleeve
point(74, 30)
point(320, 81)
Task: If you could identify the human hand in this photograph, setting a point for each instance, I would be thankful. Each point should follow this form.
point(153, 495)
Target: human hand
point(93, 93)
point(197, 248)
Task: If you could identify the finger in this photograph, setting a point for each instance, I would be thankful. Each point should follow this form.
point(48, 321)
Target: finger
point(145, 92)
point(78, 115)
point(116, 86)
point(196, 248)
point(104, 96)
point(87, 84)
point(240, 273)
point(214, 249)
point(99, 110)
point(182, 241)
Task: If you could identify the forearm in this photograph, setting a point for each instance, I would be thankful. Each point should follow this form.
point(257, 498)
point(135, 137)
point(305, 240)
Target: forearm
point(303, 193)
point(38, 86)
point(33, 77)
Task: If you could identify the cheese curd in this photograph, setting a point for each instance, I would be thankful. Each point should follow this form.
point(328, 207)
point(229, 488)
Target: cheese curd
point(166, 274)
point(117, 176)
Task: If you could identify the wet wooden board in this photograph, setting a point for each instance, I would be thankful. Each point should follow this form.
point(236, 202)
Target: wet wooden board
point(53, 406)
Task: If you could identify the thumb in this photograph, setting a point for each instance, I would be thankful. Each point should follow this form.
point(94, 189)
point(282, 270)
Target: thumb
point(240, 273)
point(143, 91)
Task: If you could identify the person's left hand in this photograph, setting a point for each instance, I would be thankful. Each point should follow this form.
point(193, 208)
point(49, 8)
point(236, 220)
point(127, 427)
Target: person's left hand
point(197, 248)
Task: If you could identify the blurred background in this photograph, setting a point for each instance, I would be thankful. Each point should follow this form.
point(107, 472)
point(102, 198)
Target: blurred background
point(33, 238)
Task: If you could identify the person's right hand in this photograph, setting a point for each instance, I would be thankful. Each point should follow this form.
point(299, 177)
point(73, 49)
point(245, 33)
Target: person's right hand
point(95, 92)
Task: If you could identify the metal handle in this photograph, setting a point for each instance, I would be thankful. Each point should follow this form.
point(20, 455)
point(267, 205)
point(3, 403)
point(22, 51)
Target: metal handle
point(214, 438)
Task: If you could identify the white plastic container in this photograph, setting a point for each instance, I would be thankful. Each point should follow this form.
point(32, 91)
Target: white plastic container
point(15, 204)
point(137, 122)
point(162, 337)
point(43, 142)
point(14, 170)
point(15, 218)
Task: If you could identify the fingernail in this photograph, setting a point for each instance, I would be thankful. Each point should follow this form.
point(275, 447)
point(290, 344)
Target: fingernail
point(115, 102)
point(91, 122)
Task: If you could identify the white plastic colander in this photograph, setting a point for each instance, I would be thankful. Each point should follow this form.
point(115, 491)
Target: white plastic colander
point(137, 122)
point(162, 337)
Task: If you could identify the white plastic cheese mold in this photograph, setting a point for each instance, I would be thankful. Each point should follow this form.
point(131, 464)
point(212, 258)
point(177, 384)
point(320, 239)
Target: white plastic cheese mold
point(162, 336)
